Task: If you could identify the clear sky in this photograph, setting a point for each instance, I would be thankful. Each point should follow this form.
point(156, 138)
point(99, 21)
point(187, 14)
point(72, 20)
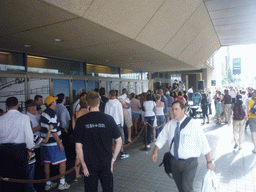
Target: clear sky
point(247, 53)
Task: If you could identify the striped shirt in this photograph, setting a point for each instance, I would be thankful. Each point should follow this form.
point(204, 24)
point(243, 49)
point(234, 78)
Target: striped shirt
point(49, 117)
point(37, 140)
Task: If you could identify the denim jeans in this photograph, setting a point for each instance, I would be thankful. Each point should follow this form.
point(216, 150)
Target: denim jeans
point(150, 120)
point(160, 120)
point(31, 171)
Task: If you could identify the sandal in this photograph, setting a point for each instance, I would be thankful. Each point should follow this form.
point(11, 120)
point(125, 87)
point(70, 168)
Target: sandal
point(77, 178)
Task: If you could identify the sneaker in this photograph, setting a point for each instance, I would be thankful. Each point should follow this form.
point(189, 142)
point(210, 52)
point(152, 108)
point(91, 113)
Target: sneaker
point(254, 150)
point(235, 146)
point(124, 155)
point(48, 187)
point(64, 186)
point(148, 146)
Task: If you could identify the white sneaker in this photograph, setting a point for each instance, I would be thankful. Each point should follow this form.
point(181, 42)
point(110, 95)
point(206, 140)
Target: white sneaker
point(48, 187)
point(124, 156)
point(64, 186)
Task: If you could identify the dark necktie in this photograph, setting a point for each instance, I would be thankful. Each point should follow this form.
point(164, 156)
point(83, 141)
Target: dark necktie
point(177, 140)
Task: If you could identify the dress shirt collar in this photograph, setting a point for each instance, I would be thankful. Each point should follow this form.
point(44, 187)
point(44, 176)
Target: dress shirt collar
point(182, 119)
point(13, 111)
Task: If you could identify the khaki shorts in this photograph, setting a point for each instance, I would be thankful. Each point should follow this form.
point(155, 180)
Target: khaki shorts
point(127, 120)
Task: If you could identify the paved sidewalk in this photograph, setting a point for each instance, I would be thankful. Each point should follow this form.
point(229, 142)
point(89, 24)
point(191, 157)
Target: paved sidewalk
point(235, 170)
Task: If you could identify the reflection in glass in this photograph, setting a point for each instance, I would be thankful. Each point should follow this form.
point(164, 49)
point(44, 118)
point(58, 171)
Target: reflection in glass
point(145, 87)
point(145, 76)
point(11, 61)
point(54, 66)
point(124, 85)
point(12, 87)
point(102, 71)
point(61, 86)
point(131, 87)
point(115, 85)
point(78, 87)
point(138, 88)
point(130, 74)
point(91, 85)
point(39, 86)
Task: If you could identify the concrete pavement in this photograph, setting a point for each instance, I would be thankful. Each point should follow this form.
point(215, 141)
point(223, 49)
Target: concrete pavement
point(235, 170)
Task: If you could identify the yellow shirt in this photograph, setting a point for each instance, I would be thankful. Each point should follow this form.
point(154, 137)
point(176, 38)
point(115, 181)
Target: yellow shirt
point(250, 104)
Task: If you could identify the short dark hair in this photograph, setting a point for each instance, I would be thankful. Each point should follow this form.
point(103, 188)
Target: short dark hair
point(61, 97)
point(149, 97)
point(239, 100)
point(37, 97)
point(182, 105)
point(82, 94)
point(11, 102)
point(124, 91)
point(112, 93)
point(30, 103)
point(102, 91)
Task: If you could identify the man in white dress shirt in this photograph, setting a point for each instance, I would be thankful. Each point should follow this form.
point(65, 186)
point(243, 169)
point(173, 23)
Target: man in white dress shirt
point(192, 143)
point(16, 143)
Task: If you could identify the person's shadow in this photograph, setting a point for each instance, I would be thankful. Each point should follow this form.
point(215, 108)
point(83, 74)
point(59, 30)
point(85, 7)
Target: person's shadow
point(231, 168)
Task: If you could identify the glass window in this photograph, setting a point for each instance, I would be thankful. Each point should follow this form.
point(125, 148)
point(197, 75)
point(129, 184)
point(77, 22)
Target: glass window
point(109, 85)
point(91, 85)
point(78, 87)
point(115, 85)
point(10, 61)
point(54, 66)
point(124, 85)
point(138, 88)
point(61, 86)
point(145, 75)
point(131, 87)
point(145, 87)
point(12, 87)
point(102, 71)
point(130, 74)
point(39, 86)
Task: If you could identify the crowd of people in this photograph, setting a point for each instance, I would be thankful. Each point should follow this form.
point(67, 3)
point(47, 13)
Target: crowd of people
point(42, 135)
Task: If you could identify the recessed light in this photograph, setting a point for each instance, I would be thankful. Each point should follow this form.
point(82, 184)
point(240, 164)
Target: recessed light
point(58, 40)
point(27, 45)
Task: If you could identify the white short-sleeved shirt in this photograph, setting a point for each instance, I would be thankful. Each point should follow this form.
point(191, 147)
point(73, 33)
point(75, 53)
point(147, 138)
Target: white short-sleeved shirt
point(193, 141)
point(34, 121)
point(149, 108)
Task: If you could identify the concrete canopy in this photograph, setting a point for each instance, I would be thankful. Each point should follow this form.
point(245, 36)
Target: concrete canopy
point(145, 35)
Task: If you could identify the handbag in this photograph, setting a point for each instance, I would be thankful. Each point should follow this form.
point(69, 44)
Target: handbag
point(168, 156)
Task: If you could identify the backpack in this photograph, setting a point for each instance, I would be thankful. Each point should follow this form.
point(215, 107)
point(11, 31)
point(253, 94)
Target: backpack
point(253, 110)
point(238, 112)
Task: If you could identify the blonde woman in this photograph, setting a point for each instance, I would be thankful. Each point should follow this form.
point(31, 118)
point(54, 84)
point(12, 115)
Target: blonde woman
point(82, 111)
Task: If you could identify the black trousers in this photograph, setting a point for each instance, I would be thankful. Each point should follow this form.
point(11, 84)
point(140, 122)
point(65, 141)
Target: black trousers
point(106, 179)
point(184, 171)
point(13, 164)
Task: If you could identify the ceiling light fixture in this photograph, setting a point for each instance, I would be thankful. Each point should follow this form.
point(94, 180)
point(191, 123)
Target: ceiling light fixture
point(58, 40)
point(27, 46)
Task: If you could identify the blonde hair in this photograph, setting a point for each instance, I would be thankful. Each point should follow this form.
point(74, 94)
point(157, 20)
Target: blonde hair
point(93, 99)
point(158, 96)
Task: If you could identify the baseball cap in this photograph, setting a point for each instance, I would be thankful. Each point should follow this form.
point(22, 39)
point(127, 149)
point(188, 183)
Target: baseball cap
point(48, 100)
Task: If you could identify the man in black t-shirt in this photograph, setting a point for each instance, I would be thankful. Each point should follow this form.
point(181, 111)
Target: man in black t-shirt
point(93, 136)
